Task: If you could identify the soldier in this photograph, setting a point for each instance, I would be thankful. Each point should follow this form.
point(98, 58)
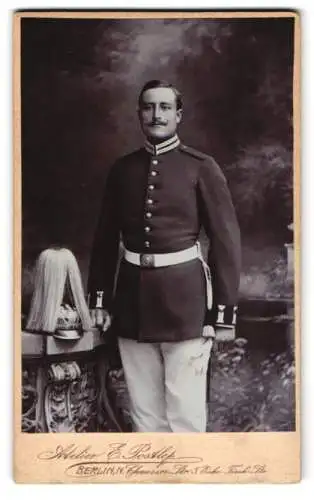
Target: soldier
point(166, 306)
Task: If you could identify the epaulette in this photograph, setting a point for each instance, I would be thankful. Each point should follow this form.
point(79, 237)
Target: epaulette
point(193, 152)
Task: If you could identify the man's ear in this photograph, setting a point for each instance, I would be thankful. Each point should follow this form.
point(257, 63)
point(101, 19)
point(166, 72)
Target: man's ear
point(178, 115)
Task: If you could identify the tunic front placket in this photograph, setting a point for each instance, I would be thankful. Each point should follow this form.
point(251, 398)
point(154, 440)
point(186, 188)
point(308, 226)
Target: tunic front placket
point(148, 226)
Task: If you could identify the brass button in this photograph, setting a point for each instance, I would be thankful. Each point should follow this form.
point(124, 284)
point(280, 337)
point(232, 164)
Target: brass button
point(150, 201)
point(147, 229)
point(154, 173)
point(147, 244)
point(151, 187)
point(155, 162)
point(148, 215)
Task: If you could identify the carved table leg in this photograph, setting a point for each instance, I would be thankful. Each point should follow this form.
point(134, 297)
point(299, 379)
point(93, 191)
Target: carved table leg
point(71, 398)
point(68, 397)
point(57, 403)
point(33, 386)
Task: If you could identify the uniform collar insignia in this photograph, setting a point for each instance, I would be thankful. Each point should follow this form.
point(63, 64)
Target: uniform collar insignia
point(162, 147)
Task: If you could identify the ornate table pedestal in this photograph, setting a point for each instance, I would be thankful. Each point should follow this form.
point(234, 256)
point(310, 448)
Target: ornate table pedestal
point(64, 385)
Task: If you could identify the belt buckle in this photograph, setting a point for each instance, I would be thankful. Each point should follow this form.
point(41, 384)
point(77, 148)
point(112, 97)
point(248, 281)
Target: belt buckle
point(147, 260)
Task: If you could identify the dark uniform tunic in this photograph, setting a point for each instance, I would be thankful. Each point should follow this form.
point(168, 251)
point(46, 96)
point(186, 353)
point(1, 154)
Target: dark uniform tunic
point(156, 201)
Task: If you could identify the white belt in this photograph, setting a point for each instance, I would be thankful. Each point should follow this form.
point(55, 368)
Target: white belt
point(170, 259)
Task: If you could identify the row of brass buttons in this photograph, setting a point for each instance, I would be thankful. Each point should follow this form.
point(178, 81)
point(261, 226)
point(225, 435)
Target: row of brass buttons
point(150, 202)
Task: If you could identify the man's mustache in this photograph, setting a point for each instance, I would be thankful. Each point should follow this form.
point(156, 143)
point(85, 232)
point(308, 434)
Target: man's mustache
point(156, 122)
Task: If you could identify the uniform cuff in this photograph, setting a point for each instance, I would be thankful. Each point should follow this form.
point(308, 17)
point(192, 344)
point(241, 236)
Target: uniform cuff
point(97, 300)
point(222, 316)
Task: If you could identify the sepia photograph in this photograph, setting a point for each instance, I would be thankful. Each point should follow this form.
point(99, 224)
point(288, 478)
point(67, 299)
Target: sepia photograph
point(158, 224)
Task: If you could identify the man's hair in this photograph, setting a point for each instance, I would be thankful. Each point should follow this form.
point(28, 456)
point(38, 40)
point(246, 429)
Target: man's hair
point(153, 84)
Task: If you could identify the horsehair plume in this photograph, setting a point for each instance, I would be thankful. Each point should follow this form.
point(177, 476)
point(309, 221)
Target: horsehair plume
point(48, 291)
point(52, 268)
point(77, 289)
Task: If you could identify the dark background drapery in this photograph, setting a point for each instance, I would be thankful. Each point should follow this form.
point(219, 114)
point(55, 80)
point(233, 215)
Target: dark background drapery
point(80, 82)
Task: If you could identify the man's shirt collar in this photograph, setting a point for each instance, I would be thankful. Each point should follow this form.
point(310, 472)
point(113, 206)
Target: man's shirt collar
point(162, 147)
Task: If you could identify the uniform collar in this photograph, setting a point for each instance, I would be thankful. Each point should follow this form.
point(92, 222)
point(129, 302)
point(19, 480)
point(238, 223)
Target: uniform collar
point(162, 147)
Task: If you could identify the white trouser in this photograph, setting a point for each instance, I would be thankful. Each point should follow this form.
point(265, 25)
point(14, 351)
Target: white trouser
point(167, 384)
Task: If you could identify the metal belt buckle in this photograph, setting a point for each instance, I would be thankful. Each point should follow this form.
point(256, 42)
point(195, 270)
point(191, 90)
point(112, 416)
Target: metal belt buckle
point(147, 260)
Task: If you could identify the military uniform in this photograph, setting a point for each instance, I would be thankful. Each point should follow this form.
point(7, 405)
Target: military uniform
point(156, 201)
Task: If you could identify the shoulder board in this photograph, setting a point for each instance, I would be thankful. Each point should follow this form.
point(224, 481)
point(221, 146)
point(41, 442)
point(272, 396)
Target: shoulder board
point(193, 152)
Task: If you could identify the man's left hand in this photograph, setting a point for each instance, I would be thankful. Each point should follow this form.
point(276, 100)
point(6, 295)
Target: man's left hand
point(225, 334)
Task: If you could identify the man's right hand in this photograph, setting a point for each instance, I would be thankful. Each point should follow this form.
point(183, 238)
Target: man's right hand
point(101, 319)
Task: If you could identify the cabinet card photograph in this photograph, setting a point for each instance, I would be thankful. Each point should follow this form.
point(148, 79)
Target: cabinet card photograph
point(156, 210)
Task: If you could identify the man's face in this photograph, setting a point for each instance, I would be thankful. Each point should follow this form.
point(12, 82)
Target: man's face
point(158, 113)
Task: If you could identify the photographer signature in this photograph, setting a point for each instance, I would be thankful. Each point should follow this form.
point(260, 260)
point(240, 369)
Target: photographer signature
point(124, 460)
